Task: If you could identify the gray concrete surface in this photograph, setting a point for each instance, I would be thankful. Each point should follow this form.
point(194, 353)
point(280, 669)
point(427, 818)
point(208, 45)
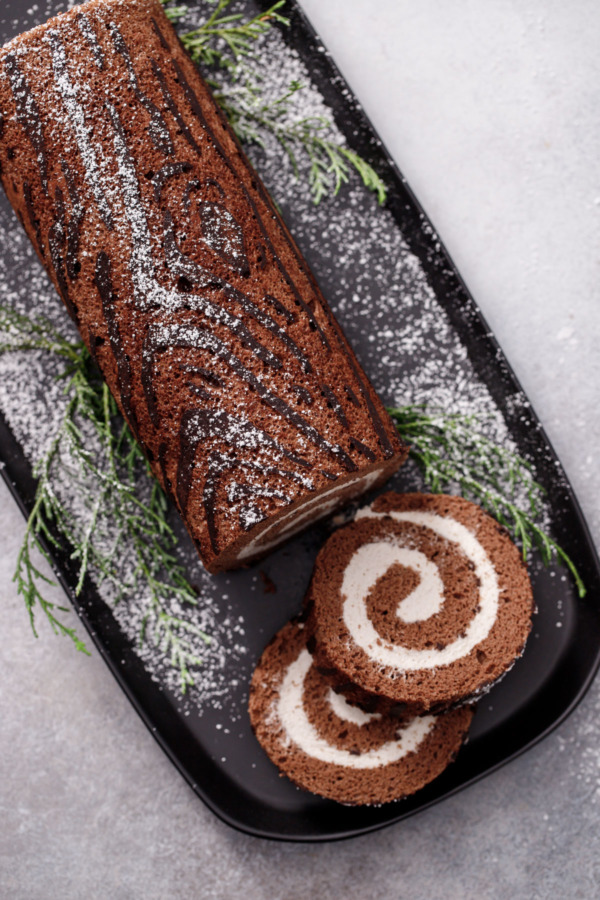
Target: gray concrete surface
point(491, 110)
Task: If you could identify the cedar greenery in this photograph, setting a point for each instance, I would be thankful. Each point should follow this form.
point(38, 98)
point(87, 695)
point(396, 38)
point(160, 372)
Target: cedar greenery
point(453, 453)
point(223, 45)
point(114, 482)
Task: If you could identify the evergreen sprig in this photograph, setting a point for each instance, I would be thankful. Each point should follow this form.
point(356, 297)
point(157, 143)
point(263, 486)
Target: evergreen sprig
point(223, 39)
point(305, 140)
point(225, 43)
point(453, 453)
point(117, 511)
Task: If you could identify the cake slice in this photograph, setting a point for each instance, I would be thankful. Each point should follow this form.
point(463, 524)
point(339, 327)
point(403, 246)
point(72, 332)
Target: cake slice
point(421, 603)
point(331, 748)
point(184, 281)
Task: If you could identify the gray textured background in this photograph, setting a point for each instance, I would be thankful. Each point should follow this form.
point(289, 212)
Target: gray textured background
point(491, 110)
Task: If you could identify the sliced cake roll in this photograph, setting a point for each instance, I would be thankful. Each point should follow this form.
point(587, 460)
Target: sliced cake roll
point(421, 603)
point(184, 281)
point(327, 746)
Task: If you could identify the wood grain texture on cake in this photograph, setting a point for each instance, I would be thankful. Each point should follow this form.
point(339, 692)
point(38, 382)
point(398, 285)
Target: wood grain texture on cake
point(421, 603)
point(184, 281)
point(331, 748)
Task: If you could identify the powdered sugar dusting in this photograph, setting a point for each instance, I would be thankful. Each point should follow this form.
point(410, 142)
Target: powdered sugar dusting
point(377, 288)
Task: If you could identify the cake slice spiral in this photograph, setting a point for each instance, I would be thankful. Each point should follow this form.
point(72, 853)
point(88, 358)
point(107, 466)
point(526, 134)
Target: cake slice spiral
point(336, 750)
point(421, 603)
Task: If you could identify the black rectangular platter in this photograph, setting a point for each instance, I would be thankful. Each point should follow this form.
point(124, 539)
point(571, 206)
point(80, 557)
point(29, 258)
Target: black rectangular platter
point(225, 766)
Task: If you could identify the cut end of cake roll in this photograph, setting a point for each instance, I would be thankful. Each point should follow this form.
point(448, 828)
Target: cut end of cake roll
point(422, 603)
point(328, 747)
point(184, 282)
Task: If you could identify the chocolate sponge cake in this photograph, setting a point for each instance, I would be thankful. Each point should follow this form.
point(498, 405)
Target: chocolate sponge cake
point(184, 282)
point(333, 749)
point(419, 604)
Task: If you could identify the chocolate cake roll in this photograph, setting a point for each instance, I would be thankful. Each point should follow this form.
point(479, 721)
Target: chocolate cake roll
point(184, 282)
point(421, 603)
point(333, 749)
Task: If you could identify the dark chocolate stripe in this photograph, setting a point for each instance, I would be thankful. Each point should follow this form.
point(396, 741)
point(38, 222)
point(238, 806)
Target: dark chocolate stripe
point(199, 391)
point(159, 33)
point(162, 462)
point(209, 494)
point(329, 475)
point(56, 242)
point(74, 224)
point(59, 204)
point(212, 182)
point(255, 490)
point(199, 426)
point(378, 425)
point(28, 115)
point(334, 404)
point(103, 282)
point(160, 338)
point(174, 108)
point(89, 34)
point(170, 170)
point(363, 449)
point(304, 395)
point(280, 308)
point(206, 374)
point(351, 395)
point(158, 130)
point(33, 219)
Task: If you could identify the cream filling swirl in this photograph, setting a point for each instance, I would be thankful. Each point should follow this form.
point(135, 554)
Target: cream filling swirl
point(373, 560)
point(300, 731)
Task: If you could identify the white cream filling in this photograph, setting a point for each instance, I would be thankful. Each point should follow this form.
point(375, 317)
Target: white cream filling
point(311, 510)
point(300, 730)
point(371, 561)
point(347, 712)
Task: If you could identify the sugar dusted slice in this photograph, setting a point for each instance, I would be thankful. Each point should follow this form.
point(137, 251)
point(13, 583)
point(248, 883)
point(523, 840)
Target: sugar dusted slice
point(331, 748)
point(423, 602)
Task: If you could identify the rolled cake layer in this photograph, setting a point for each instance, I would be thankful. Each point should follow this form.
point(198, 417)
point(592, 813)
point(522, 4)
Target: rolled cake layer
point(421, 603)
point(184, 282)
point(327, 746)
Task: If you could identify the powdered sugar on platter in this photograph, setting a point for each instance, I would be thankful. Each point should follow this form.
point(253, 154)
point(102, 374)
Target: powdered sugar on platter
point(387, 306)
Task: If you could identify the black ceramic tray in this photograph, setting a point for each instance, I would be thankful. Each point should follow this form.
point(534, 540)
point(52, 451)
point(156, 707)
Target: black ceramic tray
point(225, 766)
